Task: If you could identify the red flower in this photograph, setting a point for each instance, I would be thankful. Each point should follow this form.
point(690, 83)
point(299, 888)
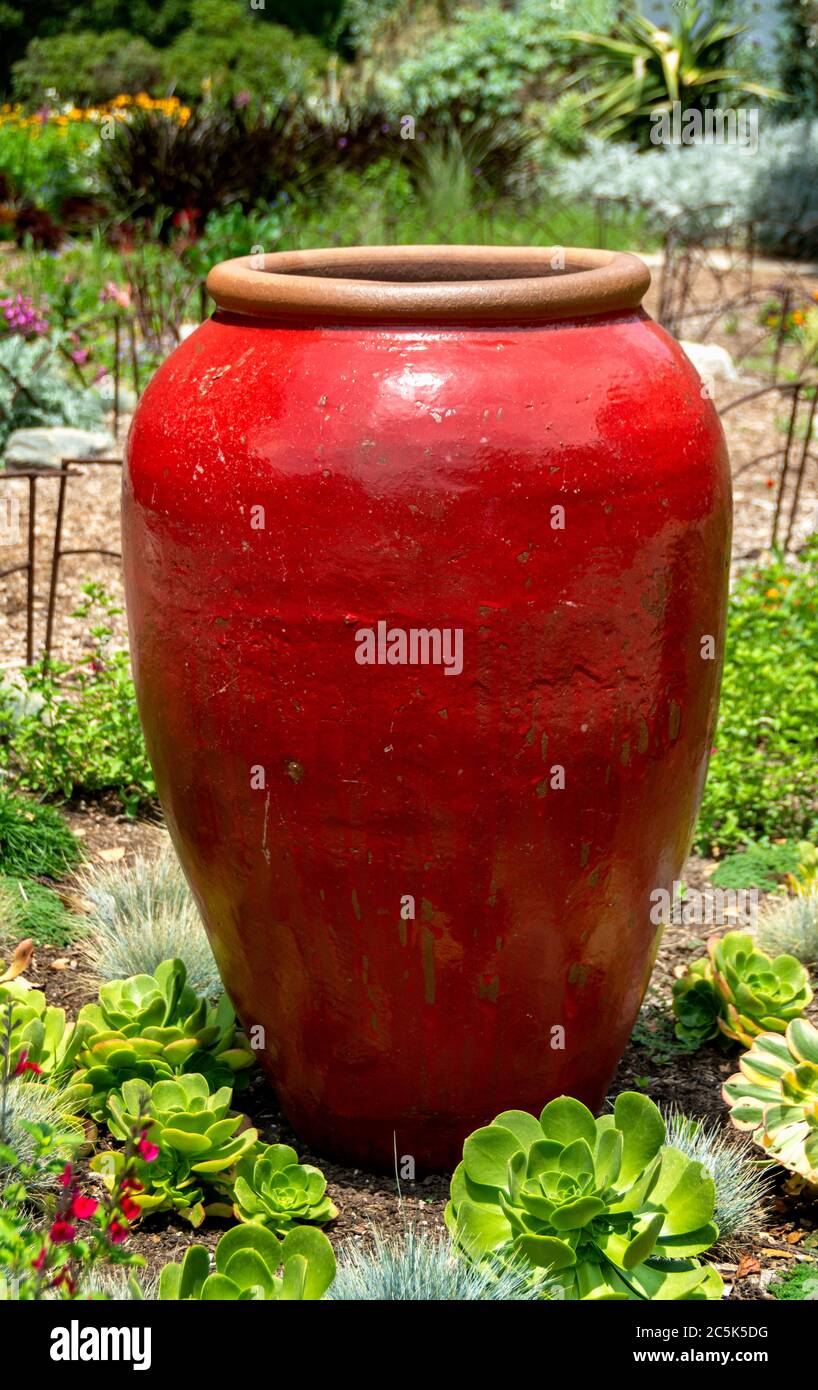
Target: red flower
point(24, 1065)
point(129, 1208)
point(147, 1150)
point(118, 1232)
point(61, 1232)
point(41, 1259)
point(64, 1278)
point(66, 1176)
point(83, 1207)
point(130, 1184)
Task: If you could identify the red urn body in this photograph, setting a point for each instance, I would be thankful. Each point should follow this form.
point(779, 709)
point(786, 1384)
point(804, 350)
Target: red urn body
point(431, 882)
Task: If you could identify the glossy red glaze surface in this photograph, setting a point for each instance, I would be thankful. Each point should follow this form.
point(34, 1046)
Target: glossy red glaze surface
point(409, 475)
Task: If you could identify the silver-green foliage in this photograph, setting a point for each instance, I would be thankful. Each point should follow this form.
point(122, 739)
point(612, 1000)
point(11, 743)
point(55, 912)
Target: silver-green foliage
point(142, 915)
point(35, 390)
point(419, 1266)
point(25, 1102)
point(791, 926)
point(742, 1186)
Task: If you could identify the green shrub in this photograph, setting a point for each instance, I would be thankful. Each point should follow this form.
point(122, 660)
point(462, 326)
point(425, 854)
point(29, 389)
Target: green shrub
point(492, 62)
point(77, 727)
point(28, 909)
point(763, 777)
point(225, 51)
point(35, 841)
point(87, 68)
point(35, 389)
point(758, 866)
point(143, 914)
point(46, 161)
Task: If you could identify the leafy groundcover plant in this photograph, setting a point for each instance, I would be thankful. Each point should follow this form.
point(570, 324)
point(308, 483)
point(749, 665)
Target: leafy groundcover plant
point(601, 1205)
point(34, 839)
point(738, 992)
point(774, 1097)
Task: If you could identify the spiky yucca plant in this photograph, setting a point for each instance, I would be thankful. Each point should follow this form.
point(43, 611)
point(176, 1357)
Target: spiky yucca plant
point(642, 69)
point(141, 915)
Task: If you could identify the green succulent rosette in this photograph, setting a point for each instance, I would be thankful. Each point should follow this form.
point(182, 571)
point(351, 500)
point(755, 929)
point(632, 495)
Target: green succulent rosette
point(697, 1006)
point(41, 1032)
point(154, 1027)
point(273, 1189)
point(247, 1260)
point(198, 1136)
point(761, 994)
point(601, 1206)
point(737, 991)
point(774, 1097)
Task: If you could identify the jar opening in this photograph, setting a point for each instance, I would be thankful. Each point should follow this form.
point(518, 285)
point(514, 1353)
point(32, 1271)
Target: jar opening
point(430, 283)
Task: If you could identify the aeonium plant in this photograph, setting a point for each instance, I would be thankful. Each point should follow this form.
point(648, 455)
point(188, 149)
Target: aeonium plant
point(248, 1260)
point(774, 1097)
point(737, 992)
point(271, 1188)
point(154, 1027)
point(197, 1138)
point(601, 1206)
point(36, 1035)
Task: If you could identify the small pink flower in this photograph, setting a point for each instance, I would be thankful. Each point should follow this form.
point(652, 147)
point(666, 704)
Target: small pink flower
point(80, 356)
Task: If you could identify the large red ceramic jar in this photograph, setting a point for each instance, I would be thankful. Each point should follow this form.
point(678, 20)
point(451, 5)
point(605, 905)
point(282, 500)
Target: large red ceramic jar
point(431, 886)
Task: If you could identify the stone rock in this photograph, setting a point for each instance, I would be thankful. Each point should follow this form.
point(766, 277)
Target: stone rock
point(713, 363)
point(127, 396)
point(46, 447)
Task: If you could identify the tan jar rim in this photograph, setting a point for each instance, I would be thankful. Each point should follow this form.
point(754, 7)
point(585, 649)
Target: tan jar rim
point(439, 283)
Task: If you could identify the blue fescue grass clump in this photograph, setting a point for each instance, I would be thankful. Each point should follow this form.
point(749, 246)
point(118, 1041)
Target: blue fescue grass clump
point(143, 914)
point(789, 926)
point(742, 1184)
point(418, 1266)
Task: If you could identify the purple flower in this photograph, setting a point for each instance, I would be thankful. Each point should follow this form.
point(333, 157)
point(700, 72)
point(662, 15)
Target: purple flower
point(22, 316)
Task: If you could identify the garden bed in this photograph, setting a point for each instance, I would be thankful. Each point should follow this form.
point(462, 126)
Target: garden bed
point(654, 1063)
